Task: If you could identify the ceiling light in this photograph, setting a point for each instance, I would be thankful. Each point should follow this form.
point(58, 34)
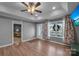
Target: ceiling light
point(54, 8)
point(31, 7)
point(36, 15)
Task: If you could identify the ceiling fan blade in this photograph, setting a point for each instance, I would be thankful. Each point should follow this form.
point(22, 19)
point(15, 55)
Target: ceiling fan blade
point(31, 4)
point(24, 10)
point(24, 4)
point(37, 4)
point(38, 11)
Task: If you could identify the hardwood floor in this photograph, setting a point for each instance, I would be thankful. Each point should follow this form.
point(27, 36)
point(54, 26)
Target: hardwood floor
point(35, 48)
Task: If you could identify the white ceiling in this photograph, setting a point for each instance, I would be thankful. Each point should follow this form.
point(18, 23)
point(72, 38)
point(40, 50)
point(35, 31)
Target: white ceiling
point(13, 8)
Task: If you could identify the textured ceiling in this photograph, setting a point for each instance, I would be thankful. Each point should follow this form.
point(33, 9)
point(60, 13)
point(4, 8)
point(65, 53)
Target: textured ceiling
point(14, 8)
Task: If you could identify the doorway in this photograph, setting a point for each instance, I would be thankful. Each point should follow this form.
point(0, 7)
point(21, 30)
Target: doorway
point(17, 32)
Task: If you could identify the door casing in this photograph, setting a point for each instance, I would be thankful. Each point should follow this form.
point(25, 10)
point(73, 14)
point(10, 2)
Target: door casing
point(17, 22)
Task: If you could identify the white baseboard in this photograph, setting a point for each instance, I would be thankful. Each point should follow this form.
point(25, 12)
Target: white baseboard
point(6, 45)
point(58, 43)
point(40, 38)
point(27, 40)
point(30, 40)
point(12, 43)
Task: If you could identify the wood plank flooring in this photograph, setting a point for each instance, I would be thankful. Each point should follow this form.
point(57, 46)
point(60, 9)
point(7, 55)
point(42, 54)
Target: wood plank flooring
point(35, 48)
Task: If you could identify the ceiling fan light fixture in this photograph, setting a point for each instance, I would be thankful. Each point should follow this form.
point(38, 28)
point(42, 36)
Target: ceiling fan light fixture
point(29, 10)
point(31, 7)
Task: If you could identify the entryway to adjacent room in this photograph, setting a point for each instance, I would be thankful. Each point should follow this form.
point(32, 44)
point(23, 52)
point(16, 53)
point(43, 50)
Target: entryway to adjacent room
point(16, 32)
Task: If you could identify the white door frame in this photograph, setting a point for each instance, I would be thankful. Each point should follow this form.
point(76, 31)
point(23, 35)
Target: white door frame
point(17, 22)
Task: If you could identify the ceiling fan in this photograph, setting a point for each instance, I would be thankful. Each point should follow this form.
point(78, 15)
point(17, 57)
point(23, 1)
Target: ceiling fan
point(31, 7)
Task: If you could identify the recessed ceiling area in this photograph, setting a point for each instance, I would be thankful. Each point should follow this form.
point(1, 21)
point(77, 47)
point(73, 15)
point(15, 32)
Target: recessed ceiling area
point(50, 10)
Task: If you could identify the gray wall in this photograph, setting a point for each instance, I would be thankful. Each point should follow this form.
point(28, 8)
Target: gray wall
point(6, 31)
point(28, 31)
